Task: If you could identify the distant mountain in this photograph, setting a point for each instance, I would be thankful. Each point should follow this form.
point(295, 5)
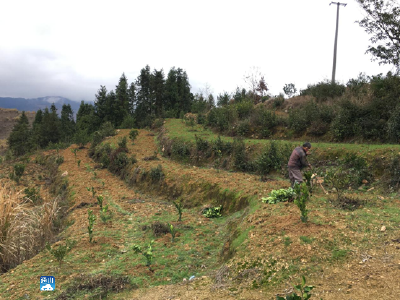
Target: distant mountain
point(34, 104)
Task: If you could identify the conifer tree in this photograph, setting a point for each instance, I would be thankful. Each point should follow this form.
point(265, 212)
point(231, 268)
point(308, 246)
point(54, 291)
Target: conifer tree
point(19, 138)
point(67, 124)
point(121, 104)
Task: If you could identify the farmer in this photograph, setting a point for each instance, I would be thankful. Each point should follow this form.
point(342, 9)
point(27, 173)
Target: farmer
point(297, 161)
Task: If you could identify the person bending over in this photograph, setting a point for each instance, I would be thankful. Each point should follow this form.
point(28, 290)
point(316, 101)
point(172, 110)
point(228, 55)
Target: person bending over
point(297, 161)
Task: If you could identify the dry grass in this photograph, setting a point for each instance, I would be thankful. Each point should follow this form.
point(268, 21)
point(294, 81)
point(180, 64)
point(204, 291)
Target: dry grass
point(24, 228)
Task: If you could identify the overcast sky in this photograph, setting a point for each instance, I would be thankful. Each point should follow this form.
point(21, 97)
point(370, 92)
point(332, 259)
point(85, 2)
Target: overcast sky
point(70, 48)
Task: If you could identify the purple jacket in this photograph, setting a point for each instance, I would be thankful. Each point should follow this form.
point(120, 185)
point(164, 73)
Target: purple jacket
point(298, 159)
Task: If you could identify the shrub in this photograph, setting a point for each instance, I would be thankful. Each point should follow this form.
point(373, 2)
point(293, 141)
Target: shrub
point(240, 158)
point(157, 123)
point(18, 172)
point(343, 125)
point(107, 129)
point(243, 128)
point(81, 138)
point(128, 122)
point(118, 162)
point(278, 101)
point(244, 109)
point(269, 160)
point(147, 253)
point(324, 90)
point(122, 144)
point(61, 251)
point(302, 196)
point(393, 125)
point(156, 174)
point(180, 149)
point(33, 194)
point(133, 134)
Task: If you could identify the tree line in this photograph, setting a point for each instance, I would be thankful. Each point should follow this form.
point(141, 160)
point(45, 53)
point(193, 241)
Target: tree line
point(152, 95)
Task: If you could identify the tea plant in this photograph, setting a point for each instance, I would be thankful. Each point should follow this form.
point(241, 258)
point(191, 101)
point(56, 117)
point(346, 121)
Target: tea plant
point(179, 207)
point(33, 194)
point(79, 163)
point(302, 288)
point(104, 215)
point(92, 190)
point(302, 196)
point(100, 201)
point(133, 134)
point(74, 151)
point(61, 251)
point(91, 219)
point(148, 253)
point(17, 173)
point(172, 230)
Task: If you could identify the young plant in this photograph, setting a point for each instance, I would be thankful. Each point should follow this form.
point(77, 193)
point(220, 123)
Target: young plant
point(74, 151)
point(18, 171)
point(100, 201)
point(33, 194)
point(61, 251)
point(148, 253)
point(302, 196)
point(179, 207)
point(91, 219)
point(302, 288)
point(79, 163)
point(92, 190)
point(104, 215)
point(172, 230)
point(133, 134)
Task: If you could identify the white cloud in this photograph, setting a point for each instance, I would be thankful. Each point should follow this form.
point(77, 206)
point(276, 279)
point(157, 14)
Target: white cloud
point(71, 48)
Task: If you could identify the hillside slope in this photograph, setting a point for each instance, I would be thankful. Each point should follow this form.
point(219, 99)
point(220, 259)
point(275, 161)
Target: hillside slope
point(345, 254)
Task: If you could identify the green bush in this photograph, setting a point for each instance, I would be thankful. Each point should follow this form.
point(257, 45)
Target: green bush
point(122, 144)
point(393, 125)
point(118, 162)
point(180, 150)
point(243, 128)
point(33, 194)
point(107, 129)
point(156, 174)
point(324, 90)
point(128, 122)
point(244, 109)
point(344, 124)
point(241, 160)
point(133, 134)
point(270, 159)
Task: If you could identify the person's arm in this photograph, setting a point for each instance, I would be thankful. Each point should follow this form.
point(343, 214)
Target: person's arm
point(304, 162)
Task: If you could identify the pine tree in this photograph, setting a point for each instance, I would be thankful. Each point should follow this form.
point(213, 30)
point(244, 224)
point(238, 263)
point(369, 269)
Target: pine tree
point(144, 107)
point(102, 107)
point(67, 124)
point(121, 103)
point(19, 138)
point(157, 87)
point(50, 128)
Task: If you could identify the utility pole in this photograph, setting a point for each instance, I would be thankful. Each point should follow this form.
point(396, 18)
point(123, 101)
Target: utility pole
point(336, 35)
